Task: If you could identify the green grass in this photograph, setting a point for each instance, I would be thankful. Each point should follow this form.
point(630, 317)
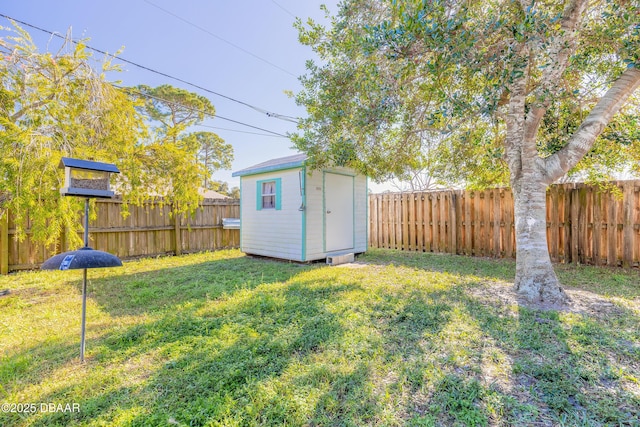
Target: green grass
point(221, 339)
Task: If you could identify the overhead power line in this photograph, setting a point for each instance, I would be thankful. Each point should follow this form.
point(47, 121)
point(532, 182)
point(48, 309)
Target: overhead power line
point(160, 73)
point(166, 101)
point(240, 131)
point(204, 30)
point(283, 8)
point(247, 125)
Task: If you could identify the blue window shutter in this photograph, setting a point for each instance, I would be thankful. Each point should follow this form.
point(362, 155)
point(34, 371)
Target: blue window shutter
point(278, 194)
point(259, 195)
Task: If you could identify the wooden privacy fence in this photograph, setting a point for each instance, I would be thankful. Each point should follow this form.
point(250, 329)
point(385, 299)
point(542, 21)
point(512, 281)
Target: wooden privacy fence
point(149, 230)
point(583, 225)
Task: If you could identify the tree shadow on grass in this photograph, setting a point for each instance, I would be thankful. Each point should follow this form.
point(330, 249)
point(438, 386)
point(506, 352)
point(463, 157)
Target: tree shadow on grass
point(163, 289)
point(350, 401)
point(220, 363)
point(404, 322)
point(235, 378)
point(349, 381)
point(157, 292)
point(560, 367)
point(526, 366)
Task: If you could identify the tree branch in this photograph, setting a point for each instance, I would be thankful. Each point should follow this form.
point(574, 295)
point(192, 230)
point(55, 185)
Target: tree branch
point(563, 46)
point(556, 165)
point(515, 119)
point(33, 106)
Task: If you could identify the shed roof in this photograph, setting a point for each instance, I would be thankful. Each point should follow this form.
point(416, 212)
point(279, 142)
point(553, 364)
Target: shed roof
point(273, 165)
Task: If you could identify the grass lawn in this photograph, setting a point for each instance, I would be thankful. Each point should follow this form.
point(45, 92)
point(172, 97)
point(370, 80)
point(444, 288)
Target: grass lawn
point(399, 339)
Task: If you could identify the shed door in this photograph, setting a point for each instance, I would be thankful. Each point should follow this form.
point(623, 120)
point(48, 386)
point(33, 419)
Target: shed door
point(338, 212)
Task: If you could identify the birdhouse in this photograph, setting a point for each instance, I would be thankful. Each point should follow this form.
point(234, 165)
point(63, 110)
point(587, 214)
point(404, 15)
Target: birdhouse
point(85, 178)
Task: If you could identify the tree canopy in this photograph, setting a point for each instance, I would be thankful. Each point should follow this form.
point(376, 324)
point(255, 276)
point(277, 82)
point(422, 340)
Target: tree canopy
point(213, 154)
point(483, 93)
point(406, 85)
point(57, 104)
point(182, 162)
point(54, 105)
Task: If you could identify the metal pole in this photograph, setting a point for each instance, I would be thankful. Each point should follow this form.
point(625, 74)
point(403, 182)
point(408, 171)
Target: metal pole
point(86, 222)
point(84, 313)
point(84, 280)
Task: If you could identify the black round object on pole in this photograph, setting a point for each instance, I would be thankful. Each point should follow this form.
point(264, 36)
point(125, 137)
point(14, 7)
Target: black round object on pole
point(82, 258)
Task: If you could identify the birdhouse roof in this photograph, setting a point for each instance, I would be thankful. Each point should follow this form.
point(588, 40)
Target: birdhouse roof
point(88, 165)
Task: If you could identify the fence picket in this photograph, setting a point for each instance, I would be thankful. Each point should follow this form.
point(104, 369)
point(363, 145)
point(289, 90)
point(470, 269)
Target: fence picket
point(627, 226)
point(419, 222)
point(597, 228)
point(466, 201)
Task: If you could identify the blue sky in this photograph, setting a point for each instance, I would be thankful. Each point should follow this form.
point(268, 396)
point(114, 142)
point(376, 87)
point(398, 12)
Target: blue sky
point(178, 41)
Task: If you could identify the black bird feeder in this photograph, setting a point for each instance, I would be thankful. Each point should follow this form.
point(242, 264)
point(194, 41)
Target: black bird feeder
point(86, 179)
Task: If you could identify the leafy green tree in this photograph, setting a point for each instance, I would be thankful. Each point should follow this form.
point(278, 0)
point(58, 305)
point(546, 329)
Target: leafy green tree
point(54, 105)
point(181, 159)
point(222, 187)
point(480, 92)
point(213, 154)
point(234, 192)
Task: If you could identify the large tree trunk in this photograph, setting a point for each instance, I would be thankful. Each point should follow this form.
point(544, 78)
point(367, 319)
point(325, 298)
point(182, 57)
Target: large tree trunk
point(535, 279)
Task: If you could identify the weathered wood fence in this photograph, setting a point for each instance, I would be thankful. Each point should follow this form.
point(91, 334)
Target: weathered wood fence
point(149, 230)
point(583, 225)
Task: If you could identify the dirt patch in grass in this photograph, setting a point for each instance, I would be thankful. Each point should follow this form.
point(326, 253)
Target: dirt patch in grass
point(581, 301)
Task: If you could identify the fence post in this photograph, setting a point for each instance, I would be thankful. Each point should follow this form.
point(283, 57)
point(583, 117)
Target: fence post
point(575, 212)
point(453, 223)
point(4, 242)
point(627, 225)
point(177, 233)
point(63, 239)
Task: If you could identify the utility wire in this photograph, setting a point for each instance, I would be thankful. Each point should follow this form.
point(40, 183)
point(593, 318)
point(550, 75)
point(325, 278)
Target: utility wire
point(239, 131)
point(204, 30)
point(160, 73)
point(166, 101)
point(247, 125)
point(283, 8)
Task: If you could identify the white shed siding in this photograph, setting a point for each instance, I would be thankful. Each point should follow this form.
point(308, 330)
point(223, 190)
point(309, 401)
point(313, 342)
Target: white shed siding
point(270, 232)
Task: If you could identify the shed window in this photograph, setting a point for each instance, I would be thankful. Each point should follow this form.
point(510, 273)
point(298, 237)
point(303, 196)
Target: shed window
point(268, 194)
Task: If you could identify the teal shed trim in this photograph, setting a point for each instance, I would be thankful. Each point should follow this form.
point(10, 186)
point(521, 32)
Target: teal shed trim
point(278, 194)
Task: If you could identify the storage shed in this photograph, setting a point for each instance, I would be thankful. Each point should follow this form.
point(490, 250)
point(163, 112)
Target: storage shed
point(291, 212)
